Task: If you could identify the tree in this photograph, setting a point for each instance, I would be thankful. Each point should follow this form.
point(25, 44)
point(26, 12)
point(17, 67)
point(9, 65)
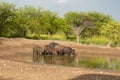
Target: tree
point(7, 17)
point(78, 22)
point(99, 19)
point(111, 31)
point(28, 20)
point(51, 22)
point(67, 30)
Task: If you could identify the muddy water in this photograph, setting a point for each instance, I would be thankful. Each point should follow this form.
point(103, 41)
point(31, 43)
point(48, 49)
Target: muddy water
point(95, 62)
point(81, 61)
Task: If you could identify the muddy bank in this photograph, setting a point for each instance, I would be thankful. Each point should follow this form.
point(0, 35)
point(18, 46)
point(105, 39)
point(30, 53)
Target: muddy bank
point(16, 45)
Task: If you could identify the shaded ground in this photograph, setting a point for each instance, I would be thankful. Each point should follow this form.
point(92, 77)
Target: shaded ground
point(2, 78)
point(15, 70)
point(96, 77)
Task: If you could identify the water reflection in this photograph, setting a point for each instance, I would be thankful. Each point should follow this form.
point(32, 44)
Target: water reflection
point(59, 60)
point(80, 61)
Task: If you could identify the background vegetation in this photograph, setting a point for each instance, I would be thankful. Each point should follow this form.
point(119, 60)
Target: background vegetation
point(36, 23)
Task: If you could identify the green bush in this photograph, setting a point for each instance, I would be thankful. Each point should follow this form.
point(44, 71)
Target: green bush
point(14, 36)
point(71, 38)
point(115, 43)
point(33, 36)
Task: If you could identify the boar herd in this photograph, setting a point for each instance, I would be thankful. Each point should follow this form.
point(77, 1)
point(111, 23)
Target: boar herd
point(53, 48)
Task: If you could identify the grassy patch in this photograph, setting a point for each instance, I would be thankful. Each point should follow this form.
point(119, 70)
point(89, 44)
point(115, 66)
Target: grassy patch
point(95, 40)
point(46, 37)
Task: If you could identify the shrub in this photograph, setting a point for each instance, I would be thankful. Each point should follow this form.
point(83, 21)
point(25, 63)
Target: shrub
point(33, 36)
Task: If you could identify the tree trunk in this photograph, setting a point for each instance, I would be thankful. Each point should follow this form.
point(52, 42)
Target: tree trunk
point(67, 36)
point(32, 31)
point(24, 33)
point(109, 43)
point(77, 38)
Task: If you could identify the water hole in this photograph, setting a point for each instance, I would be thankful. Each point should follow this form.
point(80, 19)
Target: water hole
point(96, 62)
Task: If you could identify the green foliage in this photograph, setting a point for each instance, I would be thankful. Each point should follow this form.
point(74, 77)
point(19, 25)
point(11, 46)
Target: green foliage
point(7, 17)
point(72, 38)
point(99, 19)
point(28, 20)
point(36, 23)
point(73, 19)
point(51, 22)
point(112, 32)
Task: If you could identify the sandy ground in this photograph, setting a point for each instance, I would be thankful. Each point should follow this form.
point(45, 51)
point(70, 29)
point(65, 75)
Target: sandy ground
point(15, 70)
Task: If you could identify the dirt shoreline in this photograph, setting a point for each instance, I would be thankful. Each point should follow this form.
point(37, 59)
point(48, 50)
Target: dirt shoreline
point(14, 70)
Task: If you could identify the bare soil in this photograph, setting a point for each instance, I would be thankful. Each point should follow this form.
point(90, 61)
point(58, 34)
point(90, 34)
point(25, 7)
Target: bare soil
point(15, 70)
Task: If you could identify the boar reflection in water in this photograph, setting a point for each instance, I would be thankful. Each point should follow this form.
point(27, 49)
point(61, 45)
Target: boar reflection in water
point(55, 59)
